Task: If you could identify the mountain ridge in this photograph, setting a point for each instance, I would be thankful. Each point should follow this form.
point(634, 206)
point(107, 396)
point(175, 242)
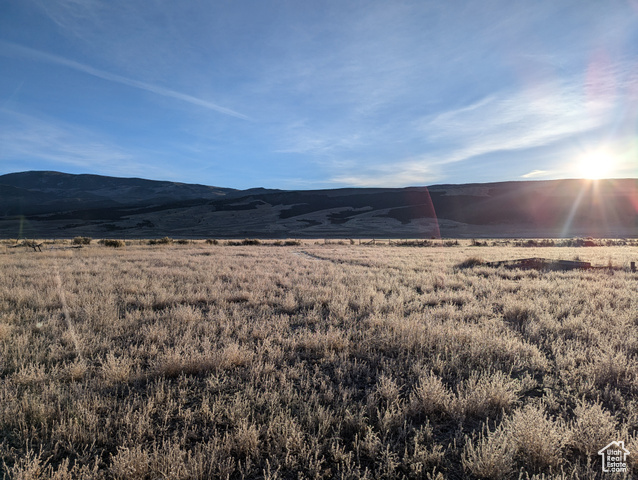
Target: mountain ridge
point(55, 204)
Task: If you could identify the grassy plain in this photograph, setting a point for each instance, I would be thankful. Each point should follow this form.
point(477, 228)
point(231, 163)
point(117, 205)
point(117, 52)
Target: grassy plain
point(314, 361)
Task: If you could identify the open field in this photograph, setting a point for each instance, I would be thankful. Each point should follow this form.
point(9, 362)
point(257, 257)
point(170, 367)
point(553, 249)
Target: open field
point(314, 361)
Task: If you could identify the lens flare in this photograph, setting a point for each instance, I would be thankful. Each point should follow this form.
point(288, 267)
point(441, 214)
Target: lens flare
point(596, 164)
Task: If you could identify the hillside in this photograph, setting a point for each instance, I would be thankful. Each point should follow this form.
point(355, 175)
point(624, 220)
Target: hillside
point(52, 204)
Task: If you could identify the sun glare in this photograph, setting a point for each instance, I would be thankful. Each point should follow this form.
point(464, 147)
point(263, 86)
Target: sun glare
point(596, 165)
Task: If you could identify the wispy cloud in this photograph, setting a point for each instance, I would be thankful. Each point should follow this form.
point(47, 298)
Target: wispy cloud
point(408, 173)
point(31, 142)
point(525, 119)
point(70, 15)
point(38, 55)
point(507, 122)
point(301, 138)
point(536, 173)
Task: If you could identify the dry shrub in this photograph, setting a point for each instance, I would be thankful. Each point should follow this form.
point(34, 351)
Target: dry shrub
point(170, 365)
point(323, 343)
point(34, 467)
point(470, 262)
point(491, 456)
point(235, 355)
point(486, 394)
point(519, 316)
point(82, 241)
point(430, 396)
point(288, 304)
point(30, 467)
point(368, 444)
point(201, 461)
point(173, 363)
point(77, 370)
point(161, 241)
point(614, 369)
point(169, 460)
point(5, 331)
point(117, 369)
point(424, 458)
point(283, 433)
point(108, 242)
point(593, 428)
point(131, 464)
point(426, 454)
point(246, 440)
point(387, 390)
point(469, 347)
point(30, 374)
point(185, 314)
point(527, 437)
point(632, 458)
point(537, 439)
point(390, 418)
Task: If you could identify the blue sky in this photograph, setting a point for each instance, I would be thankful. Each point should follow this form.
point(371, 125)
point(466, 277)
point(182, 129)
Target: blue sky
point(319, 94)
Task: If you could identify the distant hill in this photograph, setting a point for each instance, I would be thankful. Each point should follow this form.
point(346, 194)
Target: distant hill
point(41, 192)
point(53, 204)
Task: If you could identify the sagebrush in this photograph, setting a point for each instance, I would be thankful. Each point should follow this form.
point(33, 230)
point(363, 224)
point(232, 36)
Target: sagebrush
point(313, 361)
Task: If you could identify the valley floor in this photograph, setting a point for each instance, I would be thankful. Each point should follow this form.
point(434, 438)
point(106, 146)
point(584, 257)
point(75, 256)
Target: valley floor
point(314, 360)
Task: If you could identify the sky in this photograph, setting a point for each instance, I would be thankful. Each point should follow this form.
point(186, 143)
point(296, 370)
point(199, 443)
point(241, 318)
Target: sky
point(315, 94)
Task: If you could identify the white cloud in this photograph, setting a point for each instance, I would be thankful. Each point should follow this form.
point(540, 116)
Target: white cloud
point(536, 117)
point(536, 173)
point(530, 118)
point(407, 173)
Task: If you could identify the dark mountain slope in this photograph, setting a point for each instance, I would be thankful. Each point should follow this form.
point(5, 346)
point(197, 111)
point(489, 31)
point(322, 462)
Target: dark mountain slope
point(39, 192)
point(50, 204)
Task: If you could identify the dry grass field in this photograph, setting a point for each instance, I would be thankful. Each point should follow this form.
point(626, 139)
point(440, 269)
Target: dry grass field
point(314, 361)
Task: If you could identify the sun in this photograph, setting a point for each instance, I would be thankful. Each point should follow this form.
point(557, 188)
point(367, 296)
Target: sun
point(596, 164)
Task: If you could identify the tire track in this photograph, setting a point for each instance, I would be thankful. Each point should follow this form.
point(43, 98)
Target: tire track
point(65, 312)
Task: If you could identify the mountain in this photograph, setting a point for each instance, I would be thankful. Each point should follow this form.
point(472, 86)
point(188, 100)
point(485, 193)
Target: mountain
point(41, 192)
point(53, 204)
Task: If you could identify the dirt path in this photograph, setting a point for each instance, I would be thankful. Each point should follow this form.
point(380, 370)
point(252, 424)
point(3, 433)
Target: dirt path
point(311, 256)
